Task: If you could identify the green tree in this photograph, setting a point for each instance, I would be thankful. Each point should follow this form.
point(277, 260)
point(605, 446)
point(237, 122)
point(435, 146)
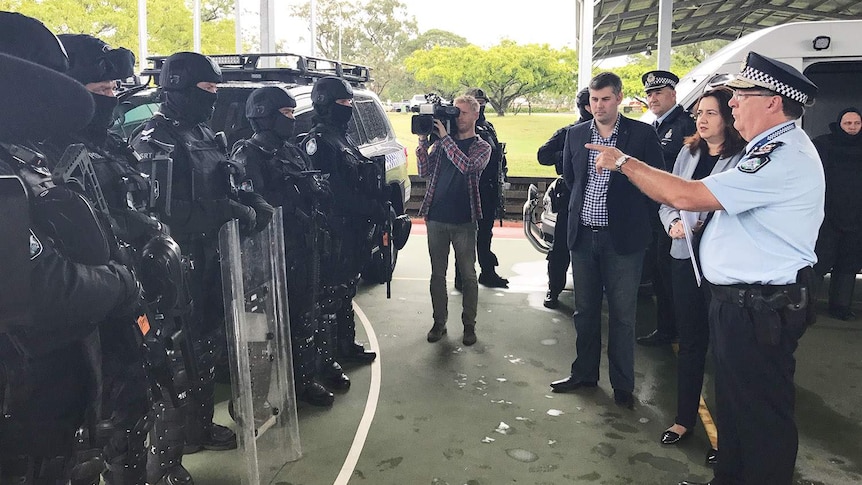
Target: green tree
point(506, 71)
point(169, 23)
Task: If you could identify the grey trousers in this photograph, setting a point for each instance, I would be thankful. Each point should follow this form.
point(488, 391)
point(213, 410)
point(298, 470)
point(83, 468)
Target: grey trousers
point(461, 237)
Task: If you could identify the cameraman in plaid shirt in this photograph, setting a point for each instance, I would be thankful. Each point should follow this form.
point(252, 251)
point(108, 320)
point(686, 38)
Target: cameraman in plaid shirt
point(451, 208)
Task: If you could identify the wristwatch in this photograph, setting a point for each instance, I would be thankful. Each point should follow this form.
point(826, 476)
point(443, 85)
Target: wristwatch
point(620, 162)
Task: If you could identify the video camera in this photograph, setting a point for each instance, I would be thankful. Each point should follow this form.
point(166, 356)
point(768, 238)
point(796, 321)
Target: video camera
point(435, 107)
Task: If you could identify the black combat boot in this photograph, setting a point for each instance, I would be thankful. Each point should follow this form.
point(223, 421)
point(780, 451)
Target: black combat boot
point(315, 394)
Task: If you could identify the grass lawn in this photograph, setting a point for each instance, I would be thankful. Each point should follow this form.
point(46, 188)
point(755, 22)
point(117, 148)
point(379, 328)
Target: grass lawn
point(522, 133)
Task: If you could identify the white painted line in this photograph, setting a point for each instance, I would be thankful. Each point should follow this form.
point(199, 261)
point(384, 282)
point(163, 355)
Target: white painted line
point(370, 405)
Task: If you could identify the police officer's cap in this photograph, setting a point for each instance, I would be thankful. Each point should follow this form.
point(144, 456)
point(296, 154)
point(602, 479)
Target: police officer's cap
point(659, 79)
point(266, 101)
point(92, 60)
point(478, 93)
point(583, 98)
point(762, 72)
point(27, 38)
point(329, 89)
point(185, 69)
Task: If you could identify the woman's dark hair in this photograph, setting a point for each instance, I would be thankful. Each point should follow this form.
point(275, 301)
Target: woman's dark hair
point(733, 141)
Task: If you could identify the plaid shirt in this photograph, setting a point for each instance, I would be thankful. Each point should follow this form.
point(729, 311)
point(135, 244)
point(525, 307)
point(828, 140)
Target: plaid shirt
point(471, 165)
point(595, 209)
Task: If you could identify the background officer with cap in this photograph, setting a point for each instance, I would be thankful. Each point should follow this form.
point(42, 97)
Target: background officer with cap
point(490, 193)
point(551, 153)
point(279, 171)
point(757, 255)
point(68, 281)
point(672, 124)
point(203, 197)
point(117, 429)
point(357, 204)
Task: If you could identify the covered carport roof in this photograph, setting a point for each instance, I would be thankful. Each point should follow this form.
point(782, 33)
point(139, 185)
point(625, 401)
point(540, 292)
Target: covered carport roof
point(629, 26)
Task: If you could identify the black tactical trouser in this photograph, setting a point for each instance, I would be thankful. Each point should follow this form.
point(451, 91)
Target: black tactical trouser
point(301, 307)
point(43, 404)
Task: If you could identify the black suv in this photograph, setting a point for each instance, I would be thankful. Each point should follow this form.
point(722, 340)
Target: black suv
point(242, 73)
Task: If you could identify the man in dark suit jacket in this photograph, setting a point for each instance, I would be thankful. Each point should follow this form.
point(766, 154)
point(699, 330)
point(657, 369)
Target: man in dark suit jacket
point(609, 229)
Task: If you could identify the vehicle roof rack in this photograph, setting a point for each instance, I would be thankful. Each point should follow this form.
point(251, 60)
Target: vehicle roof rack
point(283, 66)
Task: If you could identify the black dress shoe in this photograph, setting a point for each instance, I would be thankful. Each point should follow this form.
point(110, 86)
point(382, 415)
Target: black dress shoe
point(655, 339)
point(712, 457)
point(551, 300)
point(671, 437)
point(570, 384)
point(354, 352)
point(624, 399)
point(316, 395)
point(493, 280)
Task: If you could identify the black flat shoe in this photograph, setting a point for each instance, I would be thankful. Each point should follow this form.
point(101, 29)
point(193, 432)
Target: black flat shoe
point(570, 384)
point(712, 457)
point(671, 437)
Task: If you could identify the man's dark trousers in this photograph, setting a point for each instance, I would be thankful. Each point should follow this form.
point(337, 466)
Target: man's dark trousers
point(755, 397)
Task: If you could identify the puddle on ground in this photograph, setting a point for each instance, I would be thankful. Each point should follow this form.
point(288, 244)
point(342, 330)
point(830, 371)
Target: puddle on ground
point(522, 455)
point(605, 449)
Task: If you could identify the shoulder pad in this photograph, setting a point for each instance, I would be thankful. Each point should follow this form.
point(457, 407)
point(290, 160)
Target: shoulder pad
point(153, 138)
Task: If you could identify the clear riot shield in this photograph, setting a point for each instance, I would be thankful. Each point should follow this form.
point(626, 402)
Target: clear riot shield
point(255, 298)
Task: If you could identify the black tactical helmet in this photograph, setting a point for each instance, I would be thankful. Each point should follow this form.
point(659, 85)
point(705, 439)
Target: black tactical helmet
point(583, 98)
point(266, 101)
point(91, 60)
point(27, 38)
point(478, 93)
point(330, 88)
point(185, 69)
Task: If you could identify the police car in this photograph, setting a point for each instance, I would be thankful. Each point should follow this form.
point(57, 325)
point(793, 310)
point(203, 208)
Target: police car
point(369, 127)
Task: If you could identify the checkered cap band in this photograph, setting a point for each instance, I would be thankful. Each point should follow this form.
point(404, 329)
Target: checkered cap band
point(764, 80)
point(658, 83)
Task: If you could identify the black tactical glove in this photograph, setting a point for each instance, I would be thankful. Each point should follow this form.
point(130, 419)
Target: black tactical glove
point(262, 209)
point(231, 209)
point(131, 293)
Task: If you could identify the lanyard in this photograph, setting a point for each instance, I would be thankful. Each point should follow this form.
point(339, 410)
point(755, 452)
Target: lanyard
point(775, 134)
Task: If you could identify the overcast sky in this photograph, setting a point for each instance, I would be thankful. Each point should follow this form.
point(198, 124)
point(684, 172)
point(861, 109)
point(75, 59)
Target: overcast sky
point(481, 22)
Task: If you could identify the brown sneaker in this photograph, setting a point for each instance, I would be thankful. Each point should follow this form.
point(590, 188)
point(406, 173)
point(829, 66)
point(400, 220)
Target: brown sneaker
point(469, 335)
point(436, 333)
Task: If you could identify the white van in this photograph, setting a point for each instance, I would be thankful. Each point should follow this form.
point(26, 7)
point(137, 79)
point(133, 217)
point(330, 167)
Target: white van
point(827, 52)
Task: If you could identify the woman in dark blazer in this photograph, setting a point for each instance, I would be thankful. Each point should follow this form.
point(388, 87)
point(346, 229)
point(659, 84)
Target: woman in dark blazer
point(715, 147)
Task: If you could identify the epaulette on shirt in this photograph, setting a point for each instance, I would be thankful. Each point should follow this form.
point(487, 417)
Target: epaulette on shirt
point(758, 157)
point(154, 139)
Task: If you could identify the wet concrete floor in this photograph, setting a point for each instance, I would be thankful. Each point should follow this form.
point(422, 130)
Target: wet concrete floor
point(446, 414)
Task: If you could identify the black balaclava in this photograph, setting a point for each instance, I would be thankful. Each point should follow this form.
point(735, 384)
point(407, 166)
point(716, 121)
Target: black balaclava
point(90, 61)
point(583, 100)
point(479, 94)
point(262, 110)
point(840, 132)
point(324, 95)
point(179, 77)
point(27, 38)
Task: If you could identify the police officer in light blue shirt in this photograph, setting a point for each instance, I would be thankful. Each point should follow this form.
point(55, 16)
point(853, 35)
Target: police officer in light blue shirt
point(772, 212)
point(757, 255)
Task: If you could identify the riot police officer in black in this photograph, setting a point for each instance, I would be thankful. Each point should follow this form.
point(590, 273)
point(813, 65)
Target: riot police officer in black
point(490, 193)
point(203, 198)
point(70, 282)
point(551, 153)
point(280, 171)
point(356, 187)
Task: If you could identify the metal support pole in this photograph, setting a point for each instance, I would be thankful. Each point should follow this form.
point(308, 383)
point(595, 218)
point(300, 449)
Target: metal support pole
point(142, 34)
point(665, 25)
point(196, 15)
point(238, 22)
point(313, 28)
point(585, 48)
